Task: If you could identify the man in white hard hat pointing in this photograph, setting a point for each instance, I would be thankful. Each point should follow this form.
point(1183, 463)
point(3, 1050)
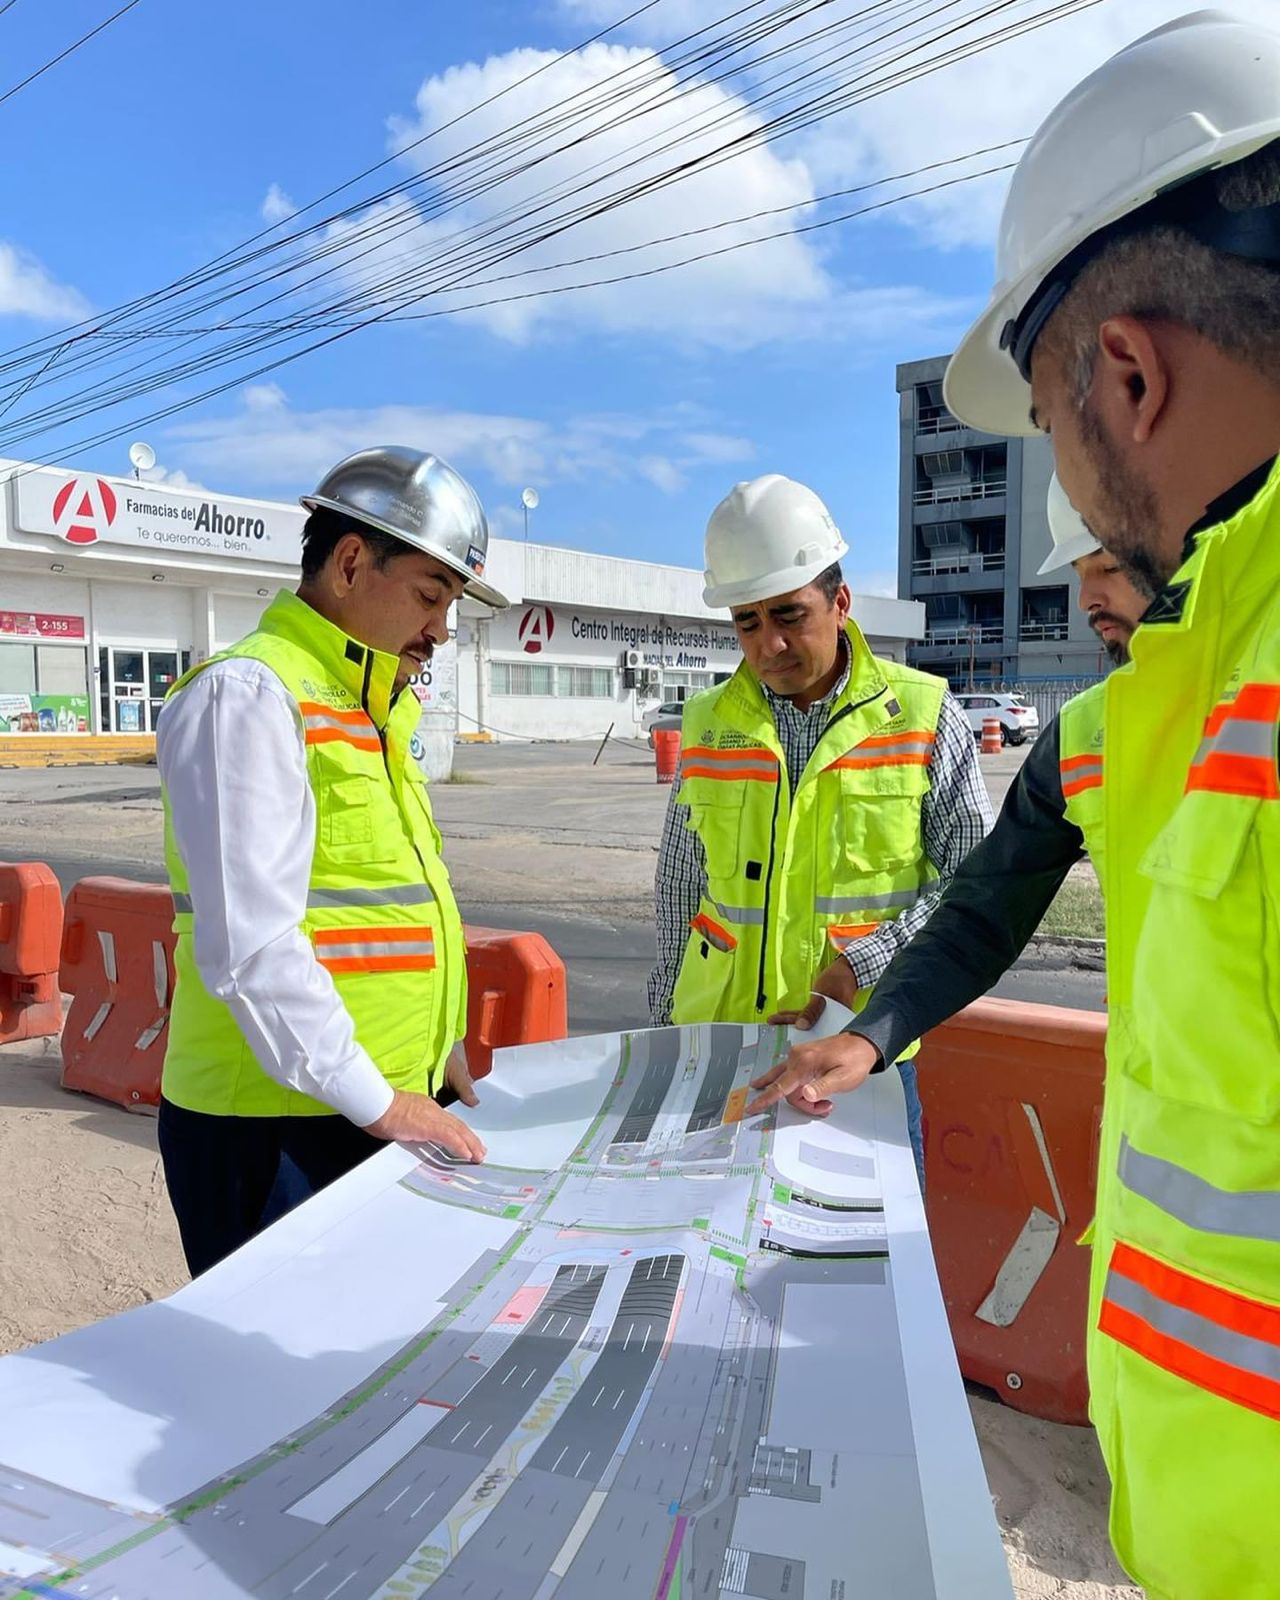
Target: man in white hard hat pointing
point(321, 972)
point(1053, 812)
point(1136, 319)
point(825, 795)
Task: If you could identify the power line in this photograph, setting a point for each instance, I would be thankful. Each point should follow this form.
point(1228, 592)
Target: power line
point(450, 271)
point(273, 366)
point(377, 227)
point(70, 50)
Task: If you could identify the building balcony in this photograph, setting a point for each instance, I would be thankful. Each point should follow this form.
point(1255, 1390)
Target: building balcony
point(1043, 632)
point(936, 494)
point(965, 633)
point(937, 419)
point(962, 561)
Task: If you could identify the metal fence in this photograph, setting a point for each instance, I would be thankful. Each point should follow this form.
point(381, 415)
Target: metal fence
point(1047, 695)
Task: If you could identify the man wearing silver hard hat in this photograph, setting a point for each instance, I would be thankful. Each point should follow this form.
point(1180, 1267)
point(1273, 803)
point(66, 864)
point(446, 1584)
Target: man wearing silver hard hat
point(321, 994)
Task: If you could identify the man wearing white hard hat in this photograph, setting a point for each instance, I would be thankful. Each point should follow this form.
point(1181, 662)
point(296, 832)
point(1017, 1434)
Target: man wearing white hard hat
point(1051, 815)
point(825, 795)
point(1136, 319)
point(321, 991)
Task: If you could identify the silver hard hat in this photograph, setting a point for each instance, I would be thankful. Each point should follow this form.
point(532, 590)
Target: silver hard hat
point(416, 498)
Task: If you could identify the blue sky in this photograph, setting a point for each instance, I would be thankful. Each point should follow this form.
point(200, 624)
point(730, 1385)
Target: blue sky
point(631, 408)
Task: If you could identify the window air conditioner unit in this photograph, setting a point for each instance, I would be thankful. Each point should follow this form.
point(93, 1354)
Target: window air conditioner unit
point(631, 660)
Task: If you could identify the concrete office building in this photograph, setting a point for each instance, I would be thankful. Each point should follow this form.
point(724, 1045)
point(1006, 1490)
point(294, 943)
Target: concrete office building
point(972, 533)
point(110, 588)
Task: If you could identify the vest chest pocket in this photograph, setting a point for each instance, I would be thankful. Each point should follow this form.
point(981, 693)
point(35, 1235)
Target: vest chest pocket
point(358, 822)
point(1214, 1040)
point(877, 816)
point(716, 815)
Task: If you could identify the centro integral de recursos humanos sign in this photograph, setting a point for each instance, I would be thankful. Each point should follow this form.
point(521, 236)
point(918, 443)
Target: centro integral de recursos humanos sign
point(83, 509)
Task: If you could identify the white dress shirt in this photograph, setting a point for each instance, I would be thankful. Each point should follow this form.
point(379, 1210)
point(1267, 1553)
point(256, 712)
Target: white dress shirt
point(233, 763)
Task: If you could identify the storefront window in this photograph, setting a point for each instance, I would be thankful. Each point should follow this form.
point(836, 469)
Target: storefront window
point(43, 689)
point(586, 683)
point(680, 685)
point(133, 684)
point(526, 678)
point(17, 669)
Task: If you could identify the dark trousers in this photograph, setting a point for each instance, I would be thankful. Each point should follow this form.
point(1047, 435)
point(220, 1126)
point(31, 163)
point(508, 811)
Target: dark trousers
point(230, 1177)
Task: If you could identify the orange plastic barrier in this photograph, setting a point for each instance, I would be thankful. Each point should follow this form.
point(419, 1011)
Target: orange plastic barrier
point(30, 932)
point(666, 753)
point(117, 962)
point(991, 741)
point(1012, 1098)
point(516, 992)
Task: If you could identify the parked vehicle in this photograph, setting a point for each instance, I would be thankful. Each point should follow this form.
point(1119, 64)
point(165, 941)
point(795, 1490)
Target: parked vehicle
point(669, 714)
point(1019, 719)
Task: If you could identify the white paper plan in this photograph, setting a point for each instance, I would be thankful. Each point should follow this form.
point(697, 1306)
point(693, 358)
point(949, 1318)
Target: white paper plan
point(649, 1351)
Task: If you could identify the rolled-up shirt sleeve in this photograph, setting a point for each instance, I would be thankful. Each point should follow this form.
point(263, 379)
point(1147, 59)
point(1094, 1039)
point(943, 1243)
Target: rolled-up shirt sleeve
point(232, 760)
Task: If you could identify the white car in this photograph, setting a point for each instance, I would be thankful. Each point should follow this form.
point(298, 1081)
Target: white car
point(1019, 719)
point(670, 714)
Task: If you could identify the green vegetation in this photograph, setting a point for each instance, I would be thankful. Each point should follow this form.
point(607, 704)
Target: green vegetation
point(1076, 912)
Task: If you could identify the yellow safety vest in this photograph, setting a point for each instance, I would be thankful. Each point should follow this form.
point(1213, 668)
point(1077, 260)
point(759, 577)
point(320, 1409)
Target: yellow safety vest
point(793, 878)
point(1080, 756)
point(1184, 1351)
point(380, 910)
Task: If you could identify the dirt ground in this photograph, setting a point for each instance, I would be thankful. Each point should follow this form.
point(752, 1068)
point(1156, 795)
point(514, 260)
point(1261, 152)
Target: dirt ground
point(84, 1217)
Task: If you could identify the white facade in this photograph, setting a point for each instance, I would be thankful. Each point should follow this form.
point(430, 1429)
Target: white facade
point(110, 588)
point(556, 664)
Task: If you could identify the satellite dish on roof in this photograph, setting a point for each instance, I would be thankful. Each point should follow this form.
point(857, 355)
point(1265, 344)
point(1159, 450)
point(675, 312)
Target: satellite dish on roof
point(142, 456)
point(529, 499)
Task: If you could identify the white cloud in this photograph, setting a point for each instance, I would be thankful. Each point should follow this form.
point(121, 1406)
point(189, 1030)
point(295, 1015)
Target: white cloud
point(736, 300)
point(264, 397)
point(995, 95)
point(276, 205)
point(273, 448)
point(27, 290)
point(662, 473)
point(174, 477)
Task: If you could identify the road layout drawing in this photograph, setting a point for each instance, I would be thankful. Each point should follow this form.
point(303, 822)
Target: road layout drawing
point(651, 1350)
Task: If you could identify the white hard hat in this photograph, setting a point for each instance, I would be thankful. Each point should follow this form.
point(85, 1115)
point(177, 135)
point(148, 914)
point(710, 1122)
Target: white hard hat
point(1071, 538)
point(766, 538)
point(1199, 93)
point(420, 500)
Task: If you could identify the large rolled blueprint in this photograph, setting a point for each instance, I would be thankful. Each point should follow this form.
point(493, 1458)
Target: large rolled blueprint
point(651, 1350)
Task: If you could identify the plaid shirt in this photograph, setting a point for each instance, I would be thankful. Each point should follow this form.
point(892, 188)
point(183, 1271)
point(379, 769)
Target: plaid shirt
point(955, 815)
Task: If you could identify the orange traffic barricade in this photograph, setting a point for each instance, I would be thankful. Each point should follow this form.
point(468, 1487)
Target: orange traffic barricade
point(117, 963)
point(1012, 1098)
point(992, 743)
point(516, 993)
point(666, 754)
point(30, 934)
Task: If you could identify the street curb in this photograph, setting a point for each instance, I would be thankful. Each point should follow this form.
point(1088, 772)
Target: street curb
point(1091, 954)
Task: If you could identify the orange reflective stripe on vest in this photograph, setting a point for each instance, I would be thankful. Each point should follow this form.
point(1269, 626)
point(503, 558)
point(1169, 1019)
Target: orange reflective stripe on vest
point(375, 949)
point(1238, 752)
point(713, 933)
point(326, 725)
point(755, 764)
point(911, 748)
point(1211, 1337)
point(843, 934)
point(1080, 773)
